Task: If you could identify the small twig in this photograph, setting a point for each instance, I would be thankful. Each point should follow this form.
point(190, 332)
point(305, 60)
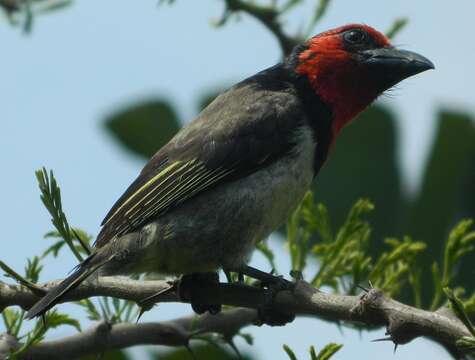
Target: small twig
point(268, 16)
point(21, 280)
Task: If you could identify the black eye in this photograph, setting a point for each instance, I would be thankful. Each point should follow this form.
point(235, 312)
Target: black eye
point(354, 37)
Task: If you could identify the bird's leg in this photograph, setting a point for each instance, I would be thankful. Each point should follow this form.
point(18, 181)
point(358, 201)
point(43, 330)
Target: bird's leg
point(229, 276)
point(190, 284)
point(268, 314)
point(267, 279)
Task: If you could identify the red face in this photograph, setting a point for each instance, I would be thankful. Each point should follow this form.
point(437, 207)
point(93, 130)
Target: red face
point(350, 66)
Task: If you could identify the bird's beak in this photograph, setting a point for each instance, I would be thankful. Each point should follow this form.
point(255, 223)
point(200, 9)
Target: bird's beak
point(398, 63)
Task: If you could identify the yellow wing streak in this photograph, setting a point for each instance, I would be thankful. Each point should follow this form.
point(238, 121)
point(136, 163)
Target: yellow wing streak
point(159, 183)
point(168, 189)
point(143, 187)
point(185, 192)
point(162, 191)
point(184, 188)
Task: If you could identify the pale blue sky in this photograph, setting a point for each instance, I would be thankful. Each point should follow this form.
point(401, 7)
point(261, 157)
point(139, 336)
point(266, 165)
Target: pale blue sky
point(82, 63)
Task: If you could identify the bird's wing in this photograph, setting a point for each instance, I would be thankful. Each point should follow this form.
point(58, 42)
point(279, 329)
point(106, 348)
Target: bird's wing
point(243, 130)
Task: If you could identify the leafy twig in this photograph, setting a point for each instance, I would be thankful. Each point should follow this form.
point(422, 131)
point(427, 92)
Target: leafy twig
point(51, 198)
point(21, 280)
point(268, 16)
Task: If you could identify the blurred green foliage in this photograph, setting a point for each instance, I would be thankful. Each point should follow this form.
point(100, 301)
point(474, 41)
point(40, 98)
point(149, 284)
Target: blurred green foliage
point(208, 352)
point(326, 353)
point(145, 127)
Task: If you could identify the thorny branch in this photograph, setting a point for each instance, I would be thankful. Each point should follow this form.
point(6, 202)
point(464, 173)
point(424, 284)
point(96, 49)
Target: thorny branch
point(404, 323)
point(179, 332)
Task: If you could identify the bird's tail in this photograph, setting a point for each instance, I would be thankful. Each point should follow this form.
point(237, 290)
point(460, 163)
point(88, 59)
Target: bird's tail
point(53, 296)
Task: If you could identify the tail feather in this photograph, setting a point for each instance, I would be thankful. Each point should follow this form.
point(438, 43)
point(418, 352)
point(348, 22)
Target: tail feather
point(53, 296)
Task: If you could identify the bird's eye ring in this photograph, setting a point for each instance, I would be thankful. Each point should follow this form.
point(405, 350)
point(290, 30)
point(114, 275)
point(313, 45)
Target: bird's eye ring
point(355, 37)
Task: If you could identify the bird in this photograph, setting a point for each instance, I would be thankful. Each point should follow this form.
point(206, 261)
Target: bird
point(234, 174)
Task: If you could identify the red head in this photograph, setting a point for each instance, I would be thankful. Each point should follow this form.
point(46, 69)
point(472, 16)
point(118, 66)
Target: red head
point(352, 65)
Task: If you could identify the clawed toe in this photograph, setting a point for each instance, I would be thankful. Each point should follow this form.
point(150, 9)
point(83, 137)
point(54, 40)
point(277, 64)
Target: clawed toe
point(267, 312)
point(269, 315)
point(272, 284)
point(190, 284)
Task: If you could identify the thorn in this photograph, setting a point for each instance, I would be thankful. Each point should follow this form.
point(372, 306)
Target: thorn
point(150, 300)
point(43, 320)
point(187, 347)
point(395, 348)
point(389, 338)
point(296, 275)
point(370, 284)
point(234, 347)
point(363, 288)
point(141, 312)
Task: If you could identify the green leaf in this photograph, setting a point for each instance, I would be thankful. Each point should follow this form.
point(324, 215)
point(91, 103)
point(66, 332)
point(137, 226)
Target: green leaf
point(320, 11)
point(12, 320)
point(92, 313)
point(51, 198)
point(208, 352)
point(447, 194)
point(289, 352)
point(55, 319)
point(145, 127)
point(33, 269)
point(466, 344)
point(248, 338)
point(396, 27)
point(52, 319)
point(20, 279)
point(326, 353)
point(459, 310)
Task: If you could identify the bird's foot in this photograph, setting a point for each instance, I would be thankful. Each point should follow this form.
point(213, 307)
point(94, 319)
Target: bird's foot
point(190, 284)
point(268, 313)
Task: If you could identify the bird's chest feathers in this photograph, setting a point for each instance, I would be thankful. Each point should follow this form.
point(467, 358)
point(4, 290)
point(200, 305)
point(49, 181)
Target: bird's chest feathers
point(281, 186)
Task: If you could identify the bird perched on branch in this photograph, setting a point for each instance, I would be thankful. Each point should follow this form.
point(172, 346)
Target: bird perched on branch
point(234, 174)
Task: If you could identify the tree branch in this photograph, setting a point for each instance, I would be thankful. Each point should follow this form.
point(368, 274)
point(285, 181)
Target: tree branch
point(268, 16)
point(404, 323)
point(104, 337)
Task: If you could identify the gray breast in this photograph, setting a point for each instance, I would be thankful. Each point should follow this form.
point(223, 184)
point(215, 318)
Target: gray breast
point(220, 227)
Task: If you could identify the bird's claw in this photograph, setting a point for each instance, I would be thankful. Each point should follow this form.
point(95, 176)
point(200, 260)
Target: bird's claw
point(267, 312)
point(190, 284)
